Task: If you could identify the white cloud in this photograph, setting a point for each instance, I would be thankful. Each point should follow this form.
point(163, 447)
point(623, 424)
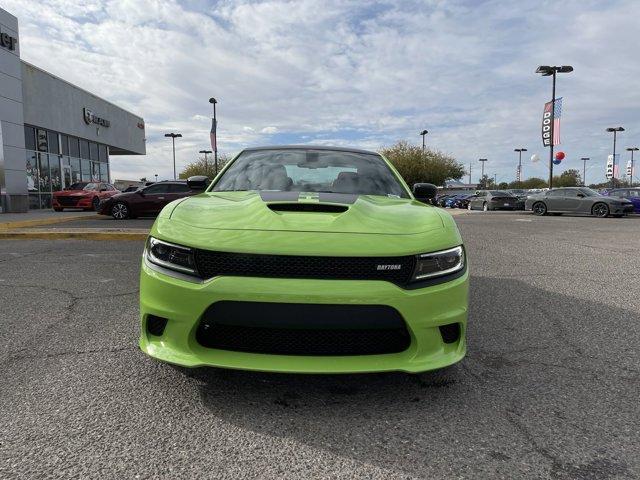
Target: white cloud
point(359, 73)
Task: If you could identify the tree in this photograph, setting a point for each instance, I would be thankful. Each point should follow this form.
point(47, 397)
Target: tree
point(202, 167)
point(416, 166)
point(568, 178)
point(503, 185)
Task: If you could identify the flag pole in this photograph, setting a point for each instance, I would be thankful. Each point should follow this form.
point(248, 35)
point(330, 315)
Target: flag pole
point(553, 121)
point(213, 101)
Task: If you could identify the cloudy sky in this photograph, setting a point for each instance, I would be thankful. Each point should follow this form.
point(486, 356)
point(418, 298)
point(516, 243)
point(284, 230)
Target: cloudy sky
point(358, 73)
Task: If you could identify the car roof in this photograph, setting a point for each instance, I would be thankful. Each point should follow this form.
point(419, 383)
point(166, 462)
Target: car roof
point(310, 147)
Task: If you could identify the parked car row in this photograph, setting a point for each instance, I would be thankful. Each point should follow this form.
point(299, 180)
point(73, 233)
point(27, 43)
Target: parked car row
point(105, 199)
point(580, 200)
point(483, 200)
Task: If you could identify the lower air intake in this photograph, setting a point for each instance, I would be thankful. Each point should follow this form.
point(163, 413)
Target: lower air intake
point(303, 329)
point(156, 325)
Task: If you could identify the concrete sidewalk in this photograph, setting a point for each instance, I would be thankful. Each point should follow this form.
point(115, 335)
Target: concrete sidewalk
point(41, 217)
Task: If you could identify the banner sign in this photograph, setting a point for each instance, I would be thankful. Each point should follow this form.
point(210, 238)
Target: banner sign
point(546, 124)
point(609, 172)
point(629, 168)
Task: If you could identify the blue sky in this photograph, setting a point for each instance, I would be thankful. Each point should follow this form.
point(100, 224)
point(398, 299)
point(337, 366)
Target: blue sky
point(364, 74)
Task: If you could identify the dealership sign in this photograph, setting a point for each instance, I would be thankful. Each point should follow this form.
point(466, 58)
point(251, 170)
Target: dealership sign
point(90, 117)
point(547, 119)
point(7, 41)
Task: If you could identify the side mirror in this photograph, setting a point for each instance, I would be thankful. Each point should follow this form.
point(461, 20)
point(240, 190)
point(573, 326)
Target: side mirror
point(140, 192)
point(198, 182)
point(425, 192)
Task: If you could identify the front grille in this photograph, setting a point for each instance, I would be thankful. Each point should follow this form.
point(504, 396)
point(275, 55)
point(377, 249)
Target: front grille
point(303, 329)
point(68, 201)
point(397, 270)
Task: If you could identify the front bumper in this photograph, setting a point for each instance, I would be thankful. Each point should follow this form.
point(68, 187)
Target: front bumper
point(184, 302)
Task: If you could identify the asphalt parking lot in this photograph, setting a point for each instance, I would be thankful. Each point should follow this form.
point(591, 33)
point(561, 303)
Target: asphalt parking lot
point(549, 388)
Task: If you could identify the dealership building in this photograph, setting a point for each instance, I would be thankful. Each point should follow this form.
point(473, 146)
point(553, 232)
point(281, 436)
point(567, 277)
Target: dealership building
point(52, 133)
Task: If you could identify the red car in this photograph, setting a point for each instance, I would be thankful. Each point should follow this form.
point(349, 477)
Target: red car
point(146, 201)
point(85, 195)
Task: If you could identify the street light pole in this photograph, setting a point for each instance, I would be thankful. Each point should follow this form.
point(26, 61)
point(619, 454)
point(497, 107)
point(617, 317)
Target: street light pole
point(423, 133)
point(520, 150)
point(173, 141)
point(469, 173)
point(584, 170)
point(482, 160)
point(206, 166)
point(615, 130)
point(156, 175)
point(631, 149)
point(547, 71)
point(214, 134)
point(495, 180)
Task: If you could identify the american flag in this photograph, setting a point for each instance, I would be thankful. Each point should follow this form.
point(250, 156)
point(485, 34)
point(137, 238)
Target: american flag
point(212, 135)
point(557, 113)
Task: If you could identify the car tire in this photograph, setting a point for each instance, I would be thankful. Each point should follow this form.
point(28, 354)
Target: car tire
point(57, 209)
point(95, 203)
point(539, 208)
point(469, 207)
point(600, 210)
point(120, 211)
point(485, 207)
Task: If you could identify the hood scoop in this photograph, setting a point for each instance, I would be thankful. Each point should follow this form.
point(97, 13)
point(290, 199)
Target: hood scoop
point(307, 207)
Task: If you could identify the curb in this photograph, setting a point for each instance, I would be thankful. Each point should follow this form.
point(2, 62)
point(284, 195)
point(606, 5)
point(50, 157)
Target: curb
point(45, 221)
point(77, 234)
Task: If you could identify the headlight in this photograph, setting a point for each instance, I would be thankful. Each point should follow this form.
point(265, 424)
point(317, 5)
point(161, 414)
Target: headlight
point(436, 264)
point(168, 255)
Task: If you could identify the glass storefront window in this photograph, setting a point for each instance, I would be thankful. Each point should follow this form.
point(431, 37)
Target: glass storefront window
point(54, 168)
point(86, 170)
point(52, 140)
point(30, 138)
point(103, 153)
point(95, 171)
point(104, 172)
point(33, 182)
point(74, 147)
point(64, 145)
point(75, 170)
point(43, 173)
point(41, 140)
point(93, 151)
point(84, 149)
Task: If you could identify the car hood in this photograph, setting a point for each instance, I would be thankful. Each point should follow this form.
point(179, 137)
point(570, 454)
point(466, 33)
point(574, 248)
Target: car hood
point(305, 212)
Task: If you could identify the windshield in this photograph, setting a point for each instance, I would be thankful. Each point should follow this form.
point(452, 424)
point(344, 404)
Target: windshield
point(292, 170)
point(590, 193)
point(83, 186)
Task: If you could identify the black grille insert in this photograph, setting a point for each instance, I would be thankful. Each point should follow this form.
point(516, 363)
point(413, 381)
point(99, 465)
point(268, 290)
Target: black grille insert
point(308, 207)
point(303, 329)
point(68, 201)
point(397, 270)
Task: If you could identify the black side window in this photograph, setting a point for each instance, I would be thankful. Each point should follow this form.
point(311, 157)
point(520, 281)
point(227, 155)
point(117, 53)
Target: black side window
point(158, 188)
point(178, 188)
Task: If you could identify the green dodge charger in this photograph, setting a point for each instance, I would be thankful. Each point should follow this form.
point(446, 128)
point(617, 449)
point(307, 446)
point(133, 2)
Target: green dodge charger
point(309, 260)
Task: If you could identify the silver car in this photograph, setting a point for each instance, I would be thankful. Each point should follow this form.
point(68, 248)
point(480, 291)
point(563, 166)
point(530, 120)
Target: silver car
point(579, 200)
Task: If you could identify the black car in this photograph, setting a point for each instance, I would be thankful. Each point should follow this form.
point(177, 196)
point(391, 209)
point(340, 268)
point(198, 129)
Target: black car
point(495, 200)
point(145, 200)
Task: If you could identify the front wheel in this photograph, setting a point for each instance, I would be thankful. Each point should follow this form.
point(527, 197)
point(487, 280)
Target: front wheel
point(539, 208)
point(600, 210)
point(95, 204)
point(120, 211)
point(56, 209)
point(485, 207)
